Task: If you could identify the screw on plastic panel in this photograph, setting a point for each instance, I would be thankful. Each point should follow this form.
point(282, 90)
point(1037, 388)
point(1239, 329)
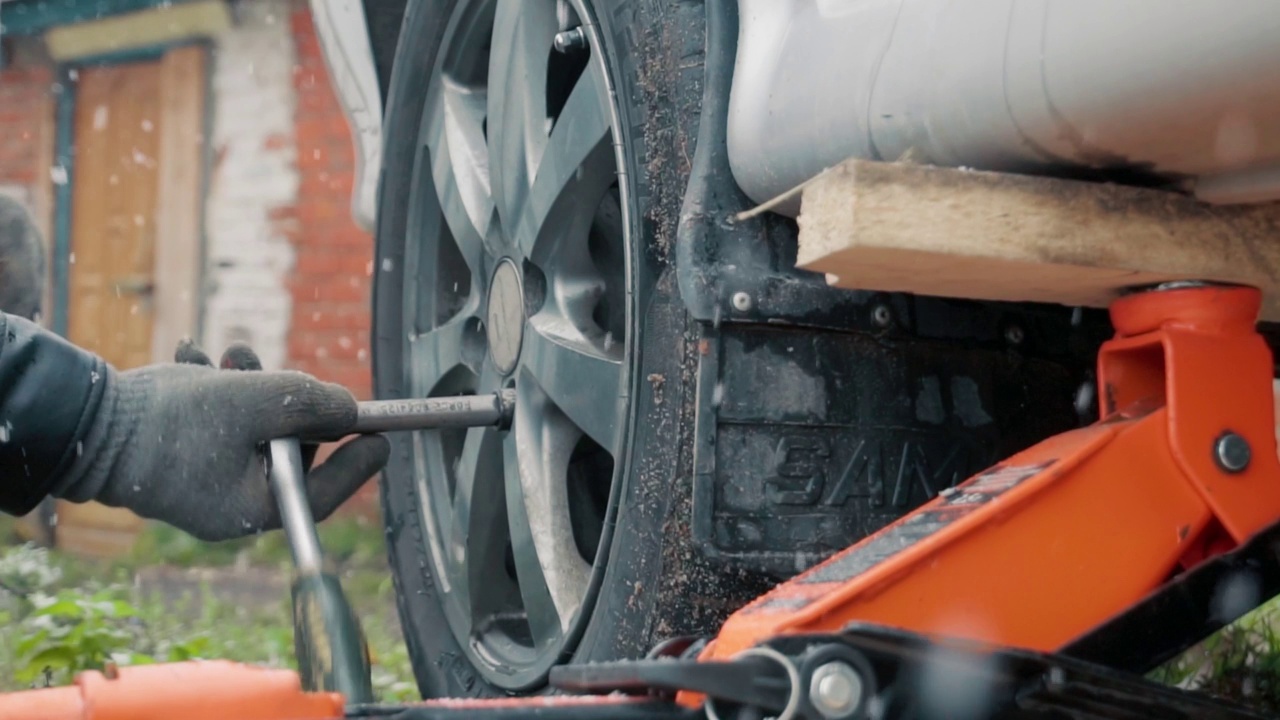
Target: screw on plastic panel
point(742, 301)
point(881, 315)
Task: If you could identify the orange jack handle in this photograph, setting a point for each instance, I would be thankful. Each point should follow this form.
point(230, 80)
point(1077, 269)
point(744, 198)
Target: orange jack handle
point(197, 690)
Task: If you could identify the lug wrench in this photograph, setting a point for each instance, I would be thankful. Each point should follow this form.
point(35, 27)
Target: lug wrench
point(329, 644)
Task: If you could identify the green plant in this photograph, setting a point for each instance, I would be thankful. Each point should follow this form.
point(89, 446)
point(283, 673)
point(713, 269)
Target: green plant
point(71, 632)
point(64, 614)
point(26, 569)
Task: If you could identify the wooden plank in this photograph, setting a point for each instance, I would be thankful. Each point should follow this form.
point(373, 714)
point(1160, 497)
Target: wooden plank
point(178, 210)
point(143, 29)
point(902, 227)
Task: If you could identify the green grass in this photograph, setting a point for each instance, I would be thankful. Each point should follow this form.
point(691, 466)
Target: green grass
point(60, 614)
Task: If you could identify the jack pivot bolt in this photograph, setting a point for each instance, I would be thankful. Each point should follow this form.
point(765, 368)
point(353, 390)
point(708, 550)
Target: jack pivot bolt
point(835, 690)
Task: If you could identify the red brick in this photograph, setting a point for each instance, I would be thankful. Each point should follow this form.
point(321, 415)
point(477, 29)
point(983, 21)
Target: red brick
point(348, 236)
point(306, 42)
point(332, 184)
point(284, 212)
point(315, 102)
point(354, 376)
point(301, 24)
point(321, 213)
point(331, 261)
point(348, 318)
point(276, 141)
point(313, 157)
point(330, 282)
point(310, 132)
point(329, 345)
point(21, 91)
point(324, 289)
point(338, 127)
point(305, 79)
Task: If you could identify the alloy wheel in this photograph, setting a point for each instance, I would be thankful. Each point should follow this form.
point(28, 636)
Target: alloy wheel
point(518, 276)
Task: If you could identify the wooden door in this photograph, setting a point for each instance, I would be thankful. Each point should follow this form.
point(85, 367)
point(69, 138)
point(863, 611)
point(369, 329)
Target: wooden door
point(111, 280)
point(113, 214)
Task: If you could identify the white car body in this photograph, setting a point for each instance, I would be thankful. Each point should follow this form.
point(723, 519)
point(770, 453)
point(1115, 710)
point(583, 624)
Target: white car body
point(344, 40)
point(1183, 92)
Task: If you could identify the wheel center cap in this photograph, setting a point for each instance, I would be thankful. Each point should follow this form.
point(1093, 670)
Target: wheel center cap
point(506, 316)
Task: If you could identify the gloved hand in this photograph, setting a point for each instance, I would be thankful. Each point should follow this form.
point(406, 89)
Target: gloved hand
point(182, 443)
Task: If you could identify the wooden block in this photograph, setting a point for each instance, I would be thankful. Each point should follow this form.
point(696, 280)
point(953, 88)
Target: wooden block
point(993, 236)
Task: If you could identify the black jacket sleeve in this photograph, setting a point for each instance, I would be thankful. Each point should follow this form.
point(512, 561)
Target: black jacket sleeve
point(49, 393)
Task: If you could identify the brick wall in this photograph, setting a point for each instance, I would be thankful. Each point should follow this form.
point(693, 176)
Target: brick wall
point(253, 185)
point(290, 268)
point(27, 99)
point(331, 281)
point(21, 92)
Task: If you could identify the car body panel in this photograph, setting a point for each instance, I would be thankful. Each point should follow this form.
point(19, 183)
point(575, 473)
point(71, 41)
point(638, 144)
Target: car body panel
point(1160, 91)
point(344, 41)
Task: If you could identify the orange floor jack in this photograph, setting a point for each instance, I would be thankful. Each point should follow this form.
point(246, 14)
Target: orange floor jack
point(1044, 587)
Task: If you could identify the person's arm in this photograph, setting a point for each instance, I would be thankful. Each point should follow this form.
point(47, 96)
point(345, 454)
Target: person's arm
point(177, 442)
point(49, 392)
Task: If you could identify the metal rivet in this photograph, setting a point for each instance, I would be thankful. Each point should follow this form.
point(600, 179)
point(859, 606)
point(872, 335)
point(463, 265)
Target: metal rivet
point(881, 315)
point(1232, 452)
point(570, 40)
point(741, 301)
point(1014, 335)
point(835, 689)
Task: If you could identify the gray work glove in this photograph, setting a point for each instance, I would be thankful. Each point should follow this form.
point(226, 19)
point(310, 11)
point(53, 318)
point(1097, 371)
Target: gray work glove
point(183, 443)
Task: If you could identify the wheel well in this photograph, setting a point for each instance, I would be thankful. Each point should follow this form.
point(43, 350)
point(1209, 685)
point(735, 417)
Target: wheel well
point(384, 19)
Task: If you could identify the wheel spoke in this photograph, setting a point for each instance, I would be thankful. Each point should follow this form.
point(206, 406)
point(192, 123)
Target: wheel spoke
point(478, 485)
point(549, 572)
point(434, 354)
point(523, 31)
point(460, 166)
point(584, 382)
point(576, 168)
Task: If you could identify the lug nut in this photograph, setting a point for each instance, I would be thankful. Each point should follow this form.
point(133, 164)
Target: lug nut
point(835, 690)
point(1232, 453)
point(570, 40)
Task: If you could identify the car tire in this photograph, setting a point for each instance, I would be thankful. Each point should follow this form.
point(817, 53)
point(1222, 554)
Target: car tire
point(647, 583)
